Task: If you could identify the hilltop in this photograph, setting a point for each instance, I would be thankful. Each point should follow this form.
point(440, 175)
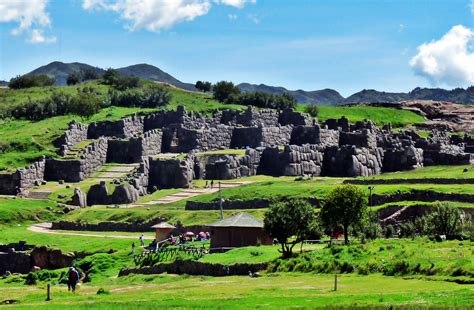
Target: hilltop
point(60, 71)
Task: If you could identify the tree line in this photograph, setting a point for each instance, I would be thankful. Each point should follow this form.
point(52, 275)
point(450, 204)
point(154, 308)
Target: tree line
point(228, 93)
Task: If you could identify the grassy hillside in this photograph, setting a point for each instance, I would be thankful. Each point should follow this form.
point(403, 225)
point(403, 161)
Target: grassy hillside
point(23, 141)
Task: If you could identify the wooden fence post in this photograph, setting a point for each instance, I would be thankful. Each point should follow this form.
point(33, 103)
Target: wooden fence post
point(48, 292)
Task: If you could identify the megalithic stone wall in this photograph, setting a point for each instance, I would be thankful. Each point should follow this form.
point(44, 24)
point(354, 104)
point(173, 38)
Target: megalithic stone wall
point(75, 133)
point(350, 161)
point(170, 173)
point(134, 150)
point(21, 180)
point(227, 167)
point(125, 128)
point(254, 137)
point(293, 160)
point(301, 135)
point(78, 169)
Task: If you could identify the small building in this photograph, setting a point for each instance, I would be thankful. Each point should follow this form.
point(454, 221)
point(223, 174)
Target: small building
point(238, 231)
point(163, 231)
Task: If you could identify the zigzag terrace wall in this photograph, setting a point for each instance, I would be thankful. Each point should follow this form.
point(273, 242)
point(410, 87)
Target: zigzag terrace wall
point(19, 181)
point(77, 169)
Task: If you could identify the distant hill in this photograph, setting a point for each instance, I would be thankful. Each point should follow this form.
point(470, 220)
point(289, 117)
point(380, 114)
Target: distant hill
point(60, 70)
point(319, 97)
point(3, 83)
point(457, 95)
point(149, 72)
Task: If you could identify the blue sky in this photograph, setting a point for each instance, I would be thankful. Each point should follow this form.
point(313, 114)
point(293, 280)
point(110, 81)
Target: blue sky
point(298, 44)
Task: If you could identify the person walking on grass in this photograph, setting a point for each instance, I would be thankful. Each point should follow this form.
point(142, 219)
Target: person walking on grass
point(142, 242)
point(133, 247)
point(73, 278)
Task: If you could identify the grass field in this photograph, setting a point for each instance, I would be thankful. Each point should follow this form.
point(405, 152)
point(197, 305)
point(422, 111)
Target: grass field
point(274, 291)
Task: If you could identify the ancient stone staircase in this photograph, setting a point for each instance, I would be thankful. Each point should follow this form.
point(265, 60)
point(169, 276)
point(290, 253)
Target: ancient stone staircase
point(114, 171)
point(39, 194)
point(188, 193)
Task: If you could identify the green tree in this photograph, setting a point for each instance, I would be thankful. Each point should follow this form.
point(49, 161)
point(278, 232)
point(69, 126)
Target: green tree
point(203, 86)
point(73, 79)
point(90, 74)
point(312, 110)
point(445, 220)
point(224, 89)
point(86, 103)
point(345, 205)
point(293, 219)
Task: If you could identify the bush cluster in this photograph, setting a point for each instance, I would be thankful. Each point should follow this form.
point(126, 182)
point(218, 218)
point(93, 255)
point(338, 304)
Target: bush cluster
point(27, 81)
point(113, 78)
point(85, 103)
point(227, 92)
point(263, 100)
point(149, 97)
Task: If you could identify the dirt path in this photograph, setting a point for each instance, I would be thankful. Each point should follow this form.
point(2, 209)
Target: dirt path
point(187, 193)
point(46, 229)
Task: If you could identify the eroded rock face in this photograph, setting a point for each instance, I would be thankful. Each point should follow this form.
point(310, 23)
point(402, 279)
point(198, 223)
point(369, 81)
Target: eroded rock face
point(79, 198)
point(98, 194)
point(125, 193)
point(46, 258)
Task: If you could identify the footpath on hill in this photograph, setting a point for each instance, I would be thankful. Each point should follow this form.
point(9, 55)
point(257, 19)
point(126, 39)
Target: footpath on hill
point(46, 229)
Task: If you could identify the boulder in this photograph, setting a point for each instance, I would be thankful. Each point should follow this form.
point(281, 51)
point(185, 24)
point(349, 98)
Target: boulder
point(98, 194)
point(79, 198)
point(124, 193)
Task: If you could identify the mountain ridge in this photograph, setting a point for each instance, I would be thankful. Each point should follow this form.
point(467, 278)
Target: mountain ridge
point(60, 72)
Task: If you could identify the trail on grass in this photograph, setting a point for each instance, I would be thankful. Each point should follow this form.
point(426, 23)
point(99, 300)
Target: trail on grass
point(46, 229)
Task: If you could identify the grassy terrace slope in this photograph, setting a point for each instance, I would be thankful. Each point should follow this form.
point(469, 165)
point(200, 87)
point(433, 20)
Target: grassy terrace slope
point(21, 142)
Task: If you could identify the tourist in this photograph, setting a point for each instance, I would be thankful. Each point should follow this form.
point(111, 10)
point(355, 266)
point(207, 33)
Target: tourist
point(133, 247)
point(142, 242)
point(207, 184)
point(73, 278)
point(212, 184)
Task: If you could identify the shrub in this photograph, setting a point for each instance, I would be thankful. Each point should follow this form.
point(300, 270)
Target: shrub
point(312, 110)
point(113, 78)
point(73, 79)
point(150, 97)
point(27, 81)
point(86, 103)
point(262, 100)
point(445, 220)
point(223, 90)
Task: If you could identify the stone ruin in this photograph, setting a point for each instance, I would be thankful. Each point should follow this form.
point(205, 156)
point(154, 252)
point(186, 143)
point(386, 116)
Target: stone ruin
point(285, 143)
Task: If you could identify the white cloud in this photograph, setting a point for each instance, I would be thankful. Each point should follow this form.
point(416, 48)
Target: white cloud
point(448, 60)
point(38, 37)
point(154, 15)
point(237, 3)
point(27, 14)
point(232, 16)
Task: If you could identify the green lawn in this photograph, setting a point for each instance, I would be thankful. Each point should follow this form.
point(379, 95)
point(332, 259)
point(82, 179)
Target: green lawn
point(278, 291)
point(17, 210)
point(250, 255)
point(448, 172)
point(380, 116)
